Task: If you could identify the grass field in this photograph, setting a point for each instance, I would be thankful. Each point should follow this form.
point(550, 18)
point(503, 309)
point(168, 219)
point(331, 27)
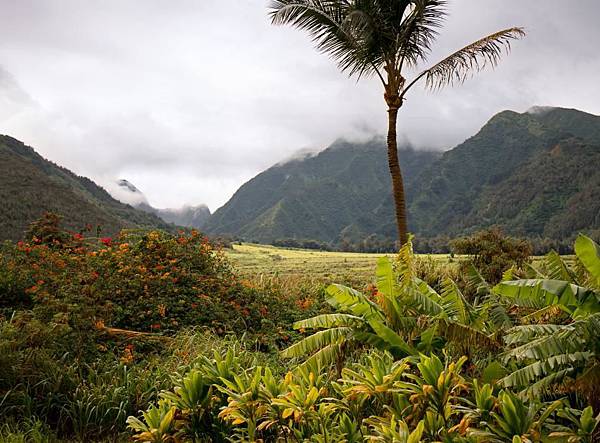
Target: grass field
point(256, 260)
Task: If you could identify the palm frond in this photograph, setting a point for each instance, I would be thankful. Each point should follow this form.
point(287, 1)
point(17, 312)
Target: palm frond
point(475, 280)
point(423, 301)
point(547, 383)
point(462, 64)
point(323, 358)
point(455, 304)
point(538, 294)
point(547, 346)
point(419, 30)
point(405, 264)
point(526, 333)
point(466, 336)
point(550, 311)
point(333, 28)
point(387, 286)
point(394, 340)
point(497, 314)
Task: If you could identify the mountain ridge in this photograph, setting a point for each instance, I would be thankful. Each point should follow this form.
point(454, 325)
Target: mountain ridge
point(450, 193)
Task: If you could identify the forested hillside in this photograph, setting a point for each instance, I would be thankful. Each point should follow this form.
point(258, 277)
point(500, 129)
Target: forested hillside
point(340, 194)
point(31, 185)
point(535, 174)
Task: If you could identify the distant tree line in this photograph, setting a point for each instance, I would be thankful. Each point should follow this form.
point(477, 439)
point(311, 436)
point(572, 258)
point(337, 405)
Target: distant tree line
point(442, 244)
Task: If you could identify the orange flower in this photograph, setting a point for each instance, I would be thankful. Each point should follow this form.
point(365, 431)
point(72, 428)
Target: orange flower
point(99, 324)
point(127, 356)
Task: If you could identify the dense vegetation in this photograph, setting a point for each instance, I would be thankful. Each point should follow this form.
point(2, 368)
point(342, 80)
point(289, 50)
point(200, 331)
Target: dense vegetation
point(387, 367)
point(533, 174)
point(95, 330)
point(31, 185)
point(88, 325)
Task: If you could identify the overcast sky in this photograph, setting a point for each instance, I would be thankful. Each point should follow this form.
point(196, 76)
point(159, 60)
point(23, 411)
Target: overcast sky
point(188, 99)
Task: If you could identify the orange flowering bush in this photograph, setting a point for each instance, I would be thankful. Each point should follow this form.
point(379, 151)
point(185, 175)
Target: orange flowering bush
point(142, 281)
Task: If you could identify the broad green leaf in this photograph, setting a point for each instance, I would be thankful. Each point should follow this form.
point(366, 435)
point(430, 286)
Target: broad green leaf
point(557, 268)
point(348, 299)
point(589, 253)
point(386, 279)
point(387, 285)
point(316, 341)
point(323, 358)
point(393, 339)
point(328, 321)
point(541, 293)
point(415, 436)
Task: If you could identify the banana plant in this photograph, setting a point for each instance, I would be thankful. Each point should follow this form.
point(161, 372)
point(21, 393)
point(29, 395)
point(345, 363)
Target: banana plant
point(547, 353)
point(405, 316)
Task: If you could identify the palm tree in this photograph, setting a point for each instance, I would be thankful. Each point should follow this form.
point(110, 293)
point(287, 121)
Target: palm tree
point(383, 38)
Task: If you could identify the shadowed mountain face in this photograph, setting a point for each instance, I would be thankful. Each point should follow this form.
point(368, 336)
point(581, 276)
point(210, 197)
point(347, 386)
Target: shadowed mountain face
point(535, 174)
point(31, 185)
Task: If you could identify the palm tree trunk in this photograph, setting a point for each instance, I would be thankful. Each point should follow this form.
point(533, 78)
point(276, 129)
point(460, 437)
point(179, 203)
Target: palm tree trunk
point(396, 173)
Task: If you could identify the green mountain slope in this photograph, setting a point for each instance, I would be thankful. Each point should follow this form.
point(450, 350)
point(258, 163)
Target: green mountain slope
point(536, 174)
point(529, 173)
point(31, 185)
point(342, 192)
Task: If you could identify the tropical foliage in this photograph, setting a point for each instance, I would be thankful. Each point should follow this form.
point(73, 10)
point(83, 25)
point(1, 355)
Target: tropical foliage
point(408, 359)
point(377, 398)
point(402, 315)
point(560, 331)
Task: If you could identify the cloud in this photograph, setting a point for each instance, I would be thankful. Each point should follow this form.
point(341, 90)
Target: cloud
point(188, 101)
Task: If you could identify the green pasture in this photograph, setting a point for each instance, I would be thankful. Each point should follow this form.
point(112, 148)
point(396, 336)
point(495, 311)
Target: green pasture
point(255, 260)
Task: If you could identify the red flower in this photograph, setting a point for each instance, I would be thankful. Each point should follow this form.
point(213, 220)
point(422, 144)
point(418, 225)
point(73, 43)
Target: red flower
point(77, 237)
point(106, 240)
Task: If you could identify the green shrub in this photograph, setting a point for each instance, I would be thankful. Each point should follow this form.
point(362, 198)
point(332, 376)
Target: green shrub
point(492, 253)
